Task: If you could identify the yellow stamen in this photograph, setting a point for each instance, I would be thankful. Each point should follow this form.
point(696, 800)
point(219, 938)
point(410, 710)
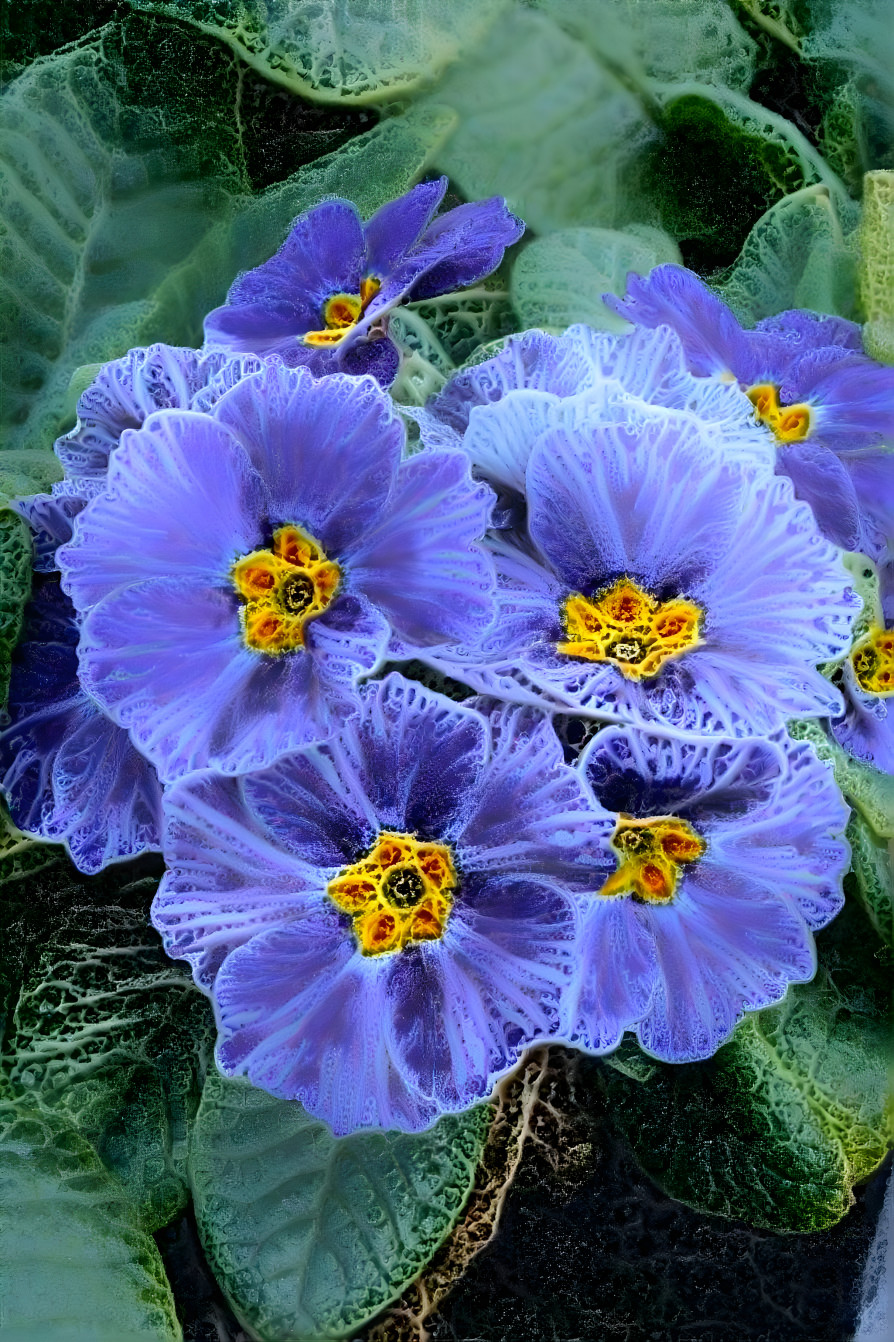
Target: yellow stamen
point(873, 661)
point(650, 855)
point(790, 423)
point(283, 588)
point(400, 893)
point(629, 628)
point(342, 312)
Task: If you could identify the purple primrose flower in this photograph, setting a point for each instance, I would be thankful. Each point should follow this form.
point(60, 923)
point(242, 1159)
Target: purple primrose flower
point(727, 855)
point(323, 300)
point(70, 774)
point(830, 407)
point(243, 568)
point(866, 680)
point(384, 920)
point(653, 578)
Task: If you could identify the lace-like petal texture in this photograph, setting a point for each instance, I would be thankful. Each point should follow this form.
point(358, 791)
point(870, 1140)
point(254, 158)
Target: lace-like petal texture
point(151, 565)
point(812, 363)
point(426, 1029)
point(614, 488)
point(323, 300)
point(738, 930)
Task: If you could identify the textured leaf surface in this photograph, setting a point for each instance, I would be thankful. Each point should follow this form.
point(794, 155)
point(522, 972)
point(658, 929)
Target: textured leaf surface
point(560, 279)
point(662, 39)
point(310, 1235)
point(877, 265)
point(541, 123)
point(778, 1126)
point(90, 184)
point(107, 1031)
point(15, 588)
point(872, 876)
point(74, 1264)
point(802, 253)
point(341, 50)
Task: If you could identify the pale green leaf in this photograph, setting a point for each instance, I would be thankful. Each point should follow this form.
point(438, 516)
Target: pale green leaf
point(777, 1127)
point(74, 1264)
point(358, 51)
point(311, 1235)
point(802, 253)
point(877, 265)
point(559, 279)
point(93, 265)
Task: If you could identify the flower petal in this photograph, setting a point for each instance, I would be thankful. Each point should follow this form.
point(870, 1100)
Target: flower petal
point(305, 1015)
point(671, 296)
point(182, 498)
point(228, 878)
point(616, 973)
point(725, 946)
point(823, 482)
point(466, 1007)
point(166, 660)
point(421, 564)
point(395, 227)
point(327, 450)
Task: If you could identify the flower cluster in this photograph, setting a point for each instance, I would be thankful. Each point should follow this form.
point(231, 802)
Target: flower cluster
point(631, 540)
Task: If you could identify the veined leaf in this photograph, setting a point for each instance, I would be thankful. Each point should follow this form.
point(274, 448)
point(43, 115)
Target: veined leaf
point(778, 1126)
point(90, 186)
point(74, 1263)
point(310, 1235)
point(358, 51)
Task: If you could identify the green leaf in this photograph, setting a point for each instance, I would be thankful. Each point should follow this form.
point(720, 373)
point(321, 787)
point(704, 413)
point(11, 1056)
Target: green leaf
point(877, 265)
point(802, 253)
point(15, 588)
point(310, 1235)
point(559, 279)
point(356, 51)
point(109, 1033)
point(74, 1264)
point(865, 787)
point(542, 123)
point(662, 39)
point(438, 334)
point(90, 184)
point(872, 876)
point(778, 1126)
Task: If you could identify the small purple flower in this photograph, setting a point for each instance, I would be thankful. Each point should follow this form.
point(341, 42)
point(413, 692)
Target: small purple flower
point(654, 578)
point(727, 855)
point(243, 568)
point(830, 408)
point(68, 773)
point(866, 681)
point(383, 920)
point(323, 300)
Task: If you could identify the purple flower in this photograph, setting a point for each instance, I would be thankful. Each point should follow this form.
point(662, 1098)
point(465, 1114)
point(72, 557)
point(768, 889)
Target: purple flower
point(122, 395)
point(68, 773)
point(830, 408)
point(866, 680)
point(323, 300)
point(243, 568)
point(727, 854)
point(384, 920)
point(655, 579)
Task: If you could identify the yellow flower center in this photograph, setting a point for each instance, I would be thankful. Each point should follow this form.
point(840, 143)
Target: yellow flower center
point(790, 423)
point(399, 893)
point(873, 661)
point(650, 855)
point(628, 627)
point(282, 589)
point(341, 312)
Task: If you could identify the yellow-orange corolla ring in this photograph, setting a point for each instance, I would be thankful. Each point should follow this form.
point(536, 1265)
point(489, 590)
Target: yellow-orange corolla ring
point(399, 894)
point(630, 628)
point(790, 423)
point(342, 312)
point(873, 661)
point(650, 855)
point(282, 589)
